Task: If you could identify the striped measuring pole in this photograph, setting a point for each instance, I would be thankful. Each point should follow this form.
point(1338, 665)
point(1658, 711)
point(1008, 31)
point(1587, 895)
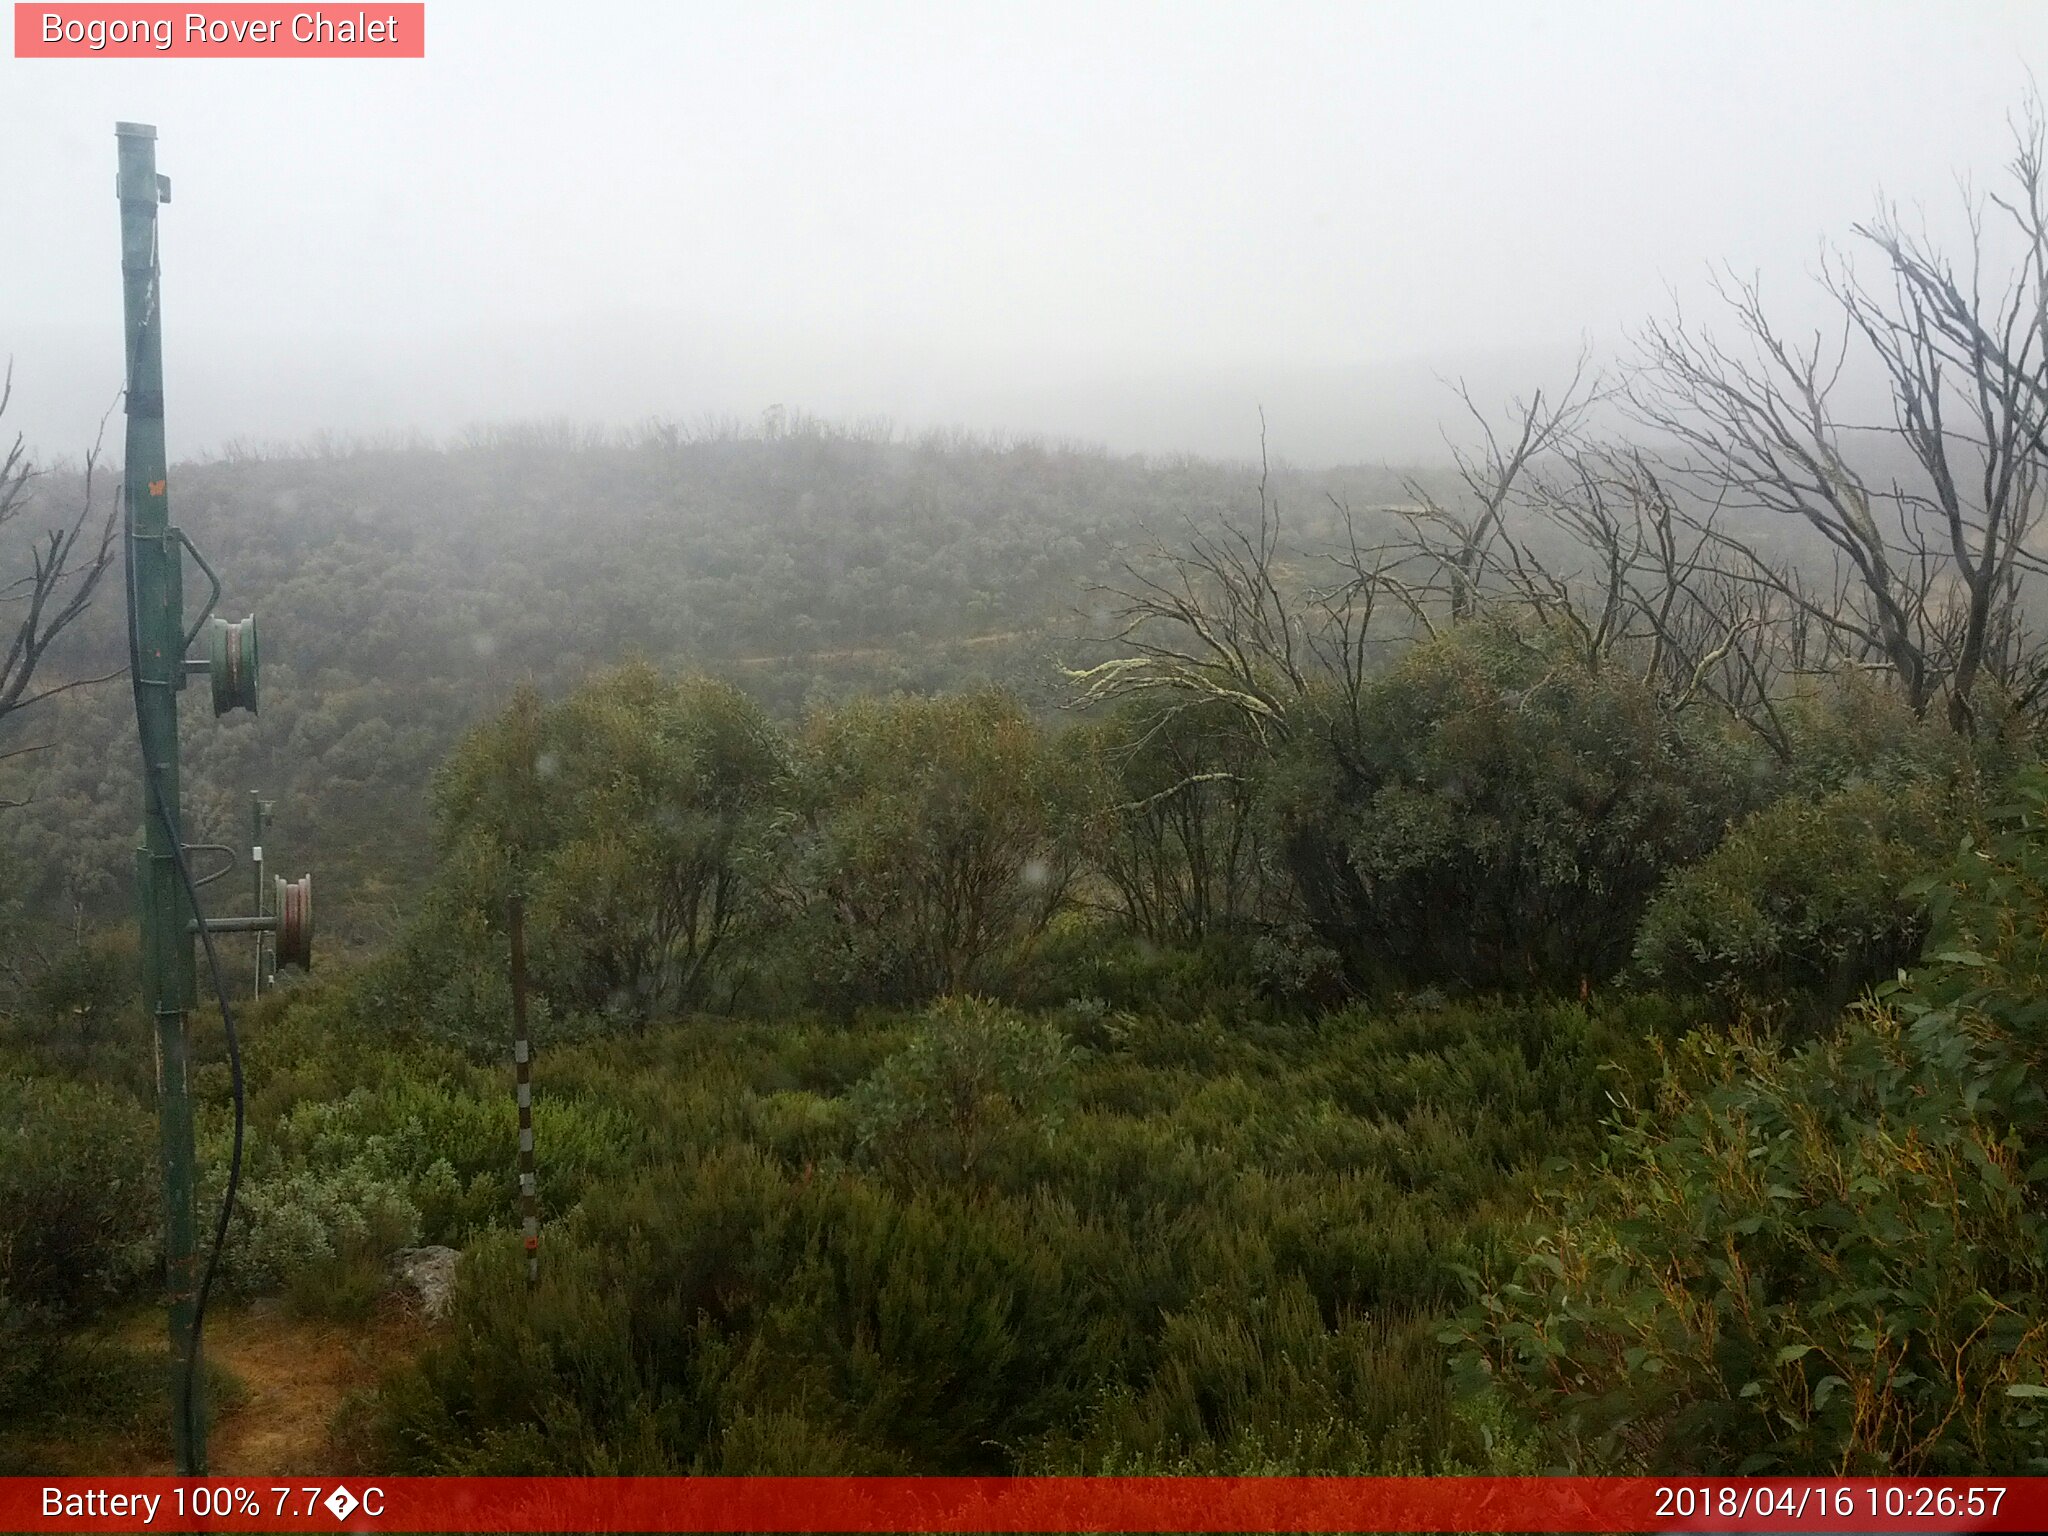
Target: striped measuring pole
point(522, 1062)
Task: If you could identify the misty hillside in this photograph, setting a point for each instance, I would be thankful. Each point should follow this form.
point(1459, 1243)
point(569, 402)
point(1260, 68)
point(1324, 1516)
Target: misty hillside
point(402, 592)
point(1445, 875)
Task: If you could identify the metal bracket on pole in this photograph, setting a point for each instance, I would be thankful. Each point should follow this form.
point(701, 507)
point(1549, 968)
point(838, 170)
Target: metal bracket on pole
point(213, 598)
point(291, 922)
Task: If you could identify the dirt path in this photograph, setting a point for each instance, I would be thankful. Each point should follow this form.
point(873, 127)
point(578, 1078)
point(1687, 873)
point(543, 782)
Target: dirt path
point(294, 1376)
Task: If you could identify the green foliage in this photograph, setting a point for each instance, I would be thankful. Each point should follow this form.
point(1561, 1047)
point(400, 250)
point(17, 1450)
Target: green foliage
point(1494, 813)
point(1297, 969)
point(1082, 959)
point(1171, 1204)
point(1827, 1260)
point(99, 1402)
point(73, 1009)
point(1847, 729)
point(84, 988)
point(1272, 1390)
point(627, 813)
point(320, 1237)
point(1170, 820)
point(1804, 897)
point(323, 1200)
point(722, 1289)
point(971, 1073)
point(928, 844)
point(1230, 1251)
point(362, 1140)
point(79, 1209)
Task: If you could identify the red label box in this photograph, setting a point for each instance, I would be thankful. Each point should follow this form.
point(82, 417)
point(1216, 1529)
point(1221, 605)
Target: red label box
point(1025, 1504)
point(234, 31)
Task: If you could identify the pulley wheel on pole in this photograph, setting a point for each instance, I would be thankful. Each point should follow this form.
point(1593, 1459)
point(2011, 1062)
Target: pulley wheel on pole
point(294, 918)
point(232, 663)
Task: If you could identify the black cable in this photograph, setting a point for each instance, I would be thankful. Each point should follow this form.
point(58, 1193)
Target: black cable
point(234, 1045)
point(154, 786)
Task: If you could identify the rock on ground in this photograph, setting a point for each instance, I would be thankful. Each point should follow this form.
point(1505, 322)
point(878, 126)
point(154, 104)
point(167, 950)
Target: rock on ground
point(429, 1274)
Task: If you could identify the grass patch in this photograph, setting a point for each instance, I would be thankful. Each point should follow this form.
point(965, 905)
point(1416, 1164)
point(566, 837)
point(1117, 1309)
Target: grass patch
point(103, 1405)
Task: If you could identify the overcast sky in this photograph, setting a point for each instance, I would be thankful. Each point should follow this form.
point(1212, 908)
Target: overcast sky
point(1133, 224)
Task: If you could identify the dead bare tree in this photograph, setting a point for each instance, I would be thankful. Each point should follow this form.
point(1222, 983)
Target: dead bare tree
point(1228, 617)
point(1208, 622)
point(58, 570)
point(1930, 566)
point(1756, 432)
point(1459, 541)
point(1922, 573)
point(1658, 587)
point(2009, 338)
point(1992, 342)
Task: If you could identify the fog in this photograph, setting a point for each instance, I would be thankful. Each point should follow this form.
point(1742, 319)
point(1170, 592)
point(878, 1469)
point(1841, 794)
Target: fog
point(1130, 224)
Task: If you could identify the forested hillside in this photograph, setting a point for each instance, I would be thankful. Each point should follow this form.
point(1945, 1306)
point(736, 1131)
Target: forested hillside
point(402, 592)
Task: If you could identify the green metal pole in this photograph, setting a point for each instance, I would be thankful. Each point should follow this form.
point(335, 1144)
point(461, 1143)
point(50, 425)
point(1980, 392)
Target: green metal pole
point(157, 623)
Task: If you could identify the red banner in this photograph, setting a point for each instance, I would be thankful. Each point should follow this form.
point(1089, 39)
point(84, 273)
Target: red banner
point(376, 31)
point(857, 1504)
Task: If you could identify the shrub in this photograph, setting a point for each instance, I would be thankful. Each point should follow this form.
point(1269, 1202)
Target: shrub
point(1295, 968)
point(1494, 813)
point(80, 1204)
point(928, 845)
point(1270, 1389)
point(75, 1011)
point(1085, 957)
point(692, 1307)
point(85, 988)
point(1832, 1260)
point(826, 1248)
point(629, 814)
point(1170, 819)
point(309, 1230)
point(1804, 897)
point(1850, 730)
point(331, 1187)
point(971, 1074)
point(1230, 1257)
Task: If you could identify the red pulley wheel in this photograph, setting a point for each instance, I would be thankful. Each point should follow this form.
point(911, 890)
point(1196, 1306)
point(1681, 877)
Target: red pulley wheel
point(295, 922)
